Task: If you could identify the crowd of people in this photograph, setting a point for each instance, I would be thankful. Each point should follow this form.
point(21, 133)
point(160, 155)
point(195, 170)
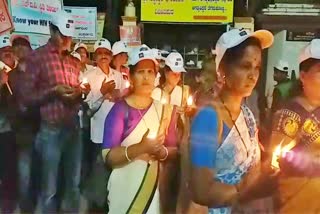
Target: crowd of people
point(163, 146)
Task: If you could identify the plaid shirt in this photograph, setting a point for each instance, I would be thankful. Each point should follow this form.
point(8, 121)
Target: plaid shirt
point(46, 68)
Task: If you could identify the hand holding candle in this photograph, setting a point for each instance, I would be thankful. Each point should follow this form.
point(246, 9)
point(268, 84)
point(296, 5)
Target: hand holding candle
point(84, 82)
point(190, 101)
point(85, 86)
point(152, 143)
point(152, 135)
point(279, 152)
point(127, 84)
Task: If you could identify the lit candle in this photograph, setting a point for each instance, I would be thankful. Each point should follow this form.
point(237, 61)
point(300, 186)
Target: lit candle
point(190, 101)
point(152, 135)
point(127, 84)
point(279, 152)
point(85, 81)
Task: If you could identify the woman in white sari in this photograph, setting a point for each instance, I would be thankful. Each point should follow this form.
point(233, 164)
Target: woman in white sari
point(137, 138)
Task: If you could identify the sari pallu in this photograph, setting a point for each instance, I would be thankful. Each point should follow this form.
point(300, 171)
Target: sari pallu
point(233, 160)
point(133, 188)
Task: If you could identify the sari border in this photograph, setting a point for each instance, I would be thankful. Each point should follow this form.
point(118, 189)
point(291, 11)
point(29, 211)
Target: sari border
point(138, 202)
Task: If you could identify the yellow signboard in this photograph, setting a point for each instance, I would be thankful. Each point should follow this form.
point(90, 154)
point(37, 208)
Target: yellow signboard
point(200, 11)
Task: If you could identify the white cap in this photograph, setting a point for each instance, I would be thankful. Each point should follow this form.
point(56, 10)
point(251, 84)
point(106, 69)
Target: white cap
point(282, 66)
point(5, 41)
point(157, 54)
point(175, 61)
point(102, 43)
point(80, 45)
point(119, 47)
point(312, 50)
point(76, 55)
point(141, 53)
point(235, 37)
point(64, 22)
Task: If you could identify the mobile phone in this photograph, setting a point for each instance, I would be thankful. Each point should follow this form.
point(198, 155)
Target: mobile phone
point(3, 65)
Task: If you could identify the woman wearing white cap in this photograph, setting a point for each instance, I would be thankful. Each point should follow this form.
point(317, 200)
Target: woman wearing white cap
point(296, 129)
point(224, 149)
point(169, 91)
point(136, 140)
point(120, 58)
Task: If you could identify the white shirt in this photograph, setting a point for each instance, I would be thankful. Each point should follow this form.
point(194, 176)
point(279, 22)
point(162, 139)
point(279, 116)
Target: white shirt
point(96, 100)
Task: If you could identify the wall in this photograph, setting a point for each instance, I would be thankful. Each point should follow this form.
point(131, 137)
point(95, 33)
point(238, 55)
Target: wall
point(285, 50)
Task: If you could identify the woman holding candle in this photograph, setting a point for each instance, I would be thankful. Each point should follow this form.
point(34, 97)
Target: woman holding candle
point(224, 149)
point(169, 90)
point(137, 138)
point(295, 140)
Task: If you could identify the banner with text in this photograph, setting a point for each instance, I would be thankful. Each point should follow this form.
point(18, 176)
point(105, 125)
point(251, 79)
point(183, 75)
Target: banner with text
point(200, 11)
point(33, 16)
point(85, 22)
point(5, 18)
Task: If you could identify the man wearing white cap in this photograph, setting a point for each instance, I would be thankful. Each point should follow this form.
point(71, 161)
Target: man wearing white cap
point(120, 58)
point(8, 155)
point(106, 83)
point(282, 90)
point(174, 67)
point(106, 86)
point(52, 84)
point(82, 49)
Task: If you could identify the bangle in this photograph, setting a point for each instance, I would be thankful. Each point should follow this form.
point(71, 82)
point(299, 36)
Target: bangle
point(167, 154)
point(126, 153)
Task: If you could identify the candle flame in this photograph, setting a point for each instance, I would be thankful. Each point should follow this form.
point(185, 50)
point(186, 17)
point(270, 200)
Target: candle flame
point(152, 135)
point(127, 84)
point(280, 151)
point(190, 101)
point(85, 81)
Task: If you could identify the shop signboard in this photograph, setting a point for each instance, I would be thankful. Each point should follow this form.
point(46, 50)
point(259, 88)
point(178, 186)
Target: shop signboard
point(301, 36)
point(187, 11)
point(33, 16)
point(5, 18)
point(130, 35)
point(85, 22)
